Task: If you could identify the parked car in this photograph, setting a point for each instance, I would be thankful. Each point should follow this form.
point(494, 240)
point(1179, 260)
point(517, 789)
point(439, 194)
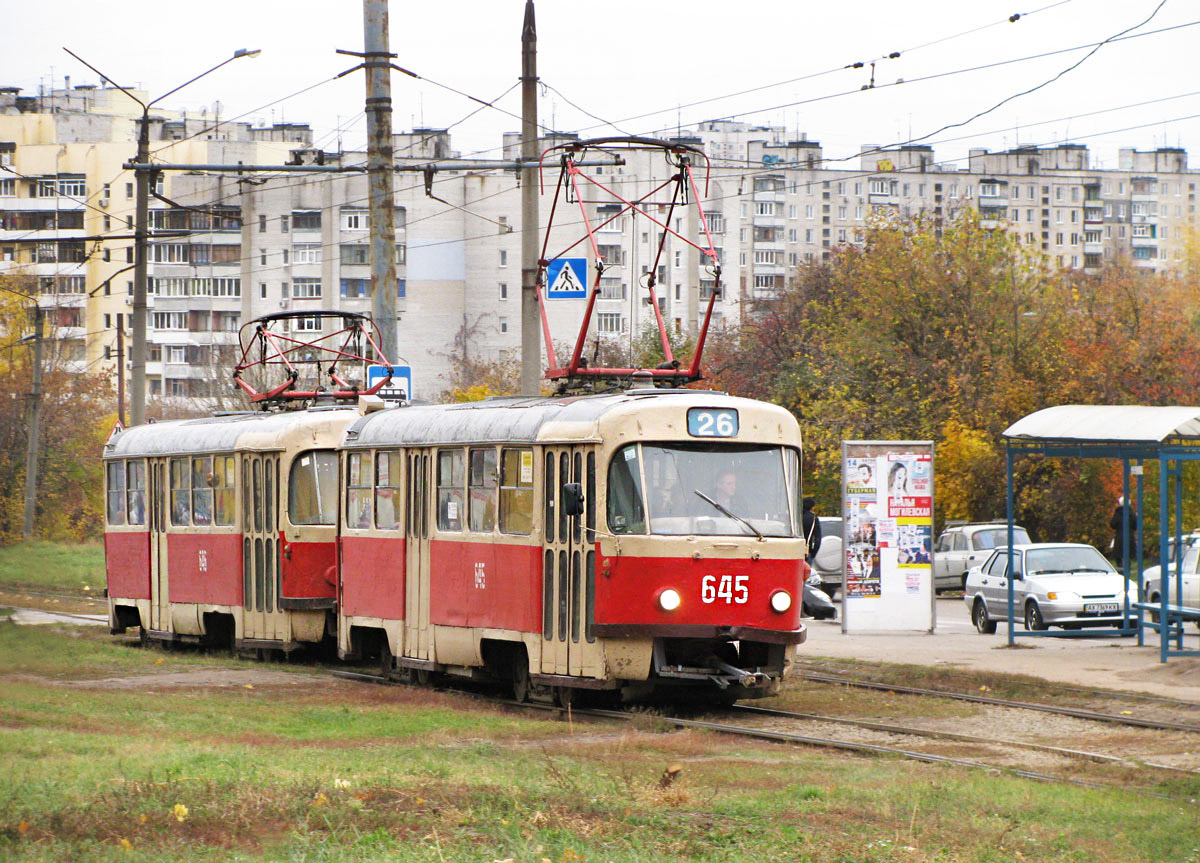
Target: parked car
point(1187, 594)
point(962, 546)
point(1055, 584)
point(817, 603)
point(828, 562)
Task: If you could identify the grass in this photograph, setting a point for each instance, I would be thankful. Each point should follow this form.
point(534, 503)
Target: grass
point(72, 569)
point(300, 767)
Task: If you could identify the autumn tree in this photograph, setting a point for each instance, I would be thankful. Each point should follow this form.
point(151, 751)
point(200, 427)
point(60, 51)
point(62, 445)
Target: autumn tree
point(78, 411)
point(950, 331)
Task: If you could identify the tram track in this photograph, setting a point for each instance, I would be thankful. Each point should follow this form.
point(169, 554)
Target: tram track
point(1076, 713)
point(1057, 687)
point(859, 746)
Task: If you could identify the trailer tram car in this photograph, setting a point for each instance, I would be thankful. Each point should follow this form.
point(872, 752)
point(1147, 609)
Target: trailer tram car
point(224, 530)
point(566, 544)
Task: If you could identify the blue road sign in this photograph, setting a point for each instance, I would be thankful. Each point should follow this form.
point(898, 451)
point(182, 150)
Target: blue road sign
point(566, 279)
point(400, 386)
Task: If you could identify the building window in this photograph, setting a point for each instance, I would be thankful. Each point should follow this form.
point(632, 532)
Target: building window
point(283, 224)
point(306, 289)
point(262, 224)
point(170, 320)
point(504, 325)
point(354, 219)
point(504, 257)
point(306, 220)
point(308, 324)
point(504, 290)
point(262, 290)
point(608, 322)
point(306, 253)
point(356, 288)
point(355, 253)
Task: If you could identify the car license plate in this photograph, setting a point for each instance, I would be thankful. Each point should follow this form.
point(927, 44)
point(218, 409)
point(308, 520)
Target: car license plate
point(1102, 607)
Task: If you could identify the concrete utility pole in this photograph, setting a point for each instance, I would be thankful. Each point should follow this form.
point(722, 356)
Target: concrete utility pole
point(531, 343)
point(141, 249)
point(121, 369)
point(35, 430)
point(378, 63)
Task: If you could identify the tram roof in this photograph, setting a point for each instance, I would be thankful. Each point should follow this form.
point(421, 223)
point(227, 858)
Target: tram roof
point(217, 434)
point(525, 419)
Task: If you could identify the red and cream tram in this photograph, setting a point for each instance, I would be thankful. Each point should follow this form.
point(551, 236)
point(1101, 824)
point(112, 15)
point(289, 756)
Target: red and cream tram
point(576, 542)
point(225, 529)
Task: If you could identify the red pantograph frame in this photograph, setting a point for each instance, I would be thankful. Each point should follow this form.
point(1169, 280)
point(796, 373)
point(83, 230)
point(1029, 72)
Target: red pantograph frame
point(279, 349)
point(683, 182)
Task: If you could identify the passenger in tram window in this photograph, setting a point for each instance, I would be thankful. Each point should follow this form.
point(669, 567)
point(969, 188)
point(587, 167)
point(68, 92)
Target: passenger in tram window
point(137, 507)
point(726, 488)
point(202, 493)
point(180, 509)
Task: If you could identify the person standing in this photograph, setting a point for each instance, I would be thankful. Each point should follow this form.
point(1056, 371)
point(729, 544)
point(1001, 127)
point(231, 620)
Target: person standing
point(1117, 523)
point(812, 528)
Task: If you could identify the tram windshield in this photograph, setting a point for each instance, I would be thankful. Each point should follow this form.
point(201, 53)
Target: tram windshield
point(684, 489)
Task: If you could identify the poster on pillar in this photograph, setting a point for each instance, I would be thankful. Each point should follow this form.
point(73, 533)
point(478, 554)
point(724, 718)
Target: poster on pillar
point(887, 518)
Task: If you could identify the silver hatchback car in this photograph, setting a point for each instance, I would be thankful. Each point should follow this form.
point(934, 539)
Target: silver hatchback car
point(1056, 584)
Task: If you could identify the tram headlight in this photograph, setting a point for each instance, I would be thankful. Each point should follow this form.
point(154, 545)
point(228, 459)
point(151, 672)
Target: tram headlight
point(781, 601)
point(669, 599)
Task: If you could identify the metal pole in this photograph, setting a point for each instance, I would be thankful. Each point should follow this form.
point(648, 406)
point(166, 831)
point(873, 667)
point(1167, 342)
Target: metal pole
point(377, 61)
point(1164, 526)
point(35, 422)
point(141, 248)
point(1008, 497)
point(121, 368)
point(531, 374)
point(1141, 556)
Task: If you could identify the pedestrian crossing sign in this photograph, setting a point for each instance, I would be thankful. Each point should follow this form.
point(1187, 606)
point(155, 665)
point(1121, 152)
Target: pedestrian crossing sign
point(566, 279)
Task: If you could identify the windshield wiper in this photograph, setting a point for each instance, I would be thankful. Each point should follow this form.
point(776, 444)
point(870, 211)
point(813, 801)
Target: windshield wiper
point(732, 515)
point(1087, 569)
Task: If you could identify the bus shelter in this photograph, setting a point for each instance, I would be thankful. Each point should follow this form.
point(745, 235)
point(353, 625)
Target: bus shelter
point(1134, 434)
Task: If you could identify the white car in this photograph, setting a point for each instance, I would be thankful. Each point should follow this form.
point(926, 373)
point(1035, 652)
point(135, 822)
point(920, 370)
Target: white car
point(828, 562)
point(1057, 584)
point(1152, 580)
point(962, 546)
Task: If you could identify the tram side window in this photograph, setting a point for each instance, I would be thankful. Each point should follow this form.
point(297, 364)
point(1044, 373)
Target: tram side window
point(450, 489)
point(135, 490)
point(482, 491)
point(116, 492)
point(358, 490)
point(181, 492)
point(202, 493)
point(516, 491)
point(387, 490)
point(312, 488)
point(625, 511)
point(791, 472)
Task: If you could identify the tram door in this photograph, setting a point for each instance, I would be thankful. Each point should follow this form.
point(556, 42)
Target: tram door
point(569, 565)
point(416, 569)
point(261, 616)
point(160, 604)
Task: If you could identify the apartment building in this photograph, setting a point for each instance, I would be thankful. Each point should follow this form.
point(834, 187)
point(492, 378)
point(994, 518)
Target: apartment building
point(241, 246)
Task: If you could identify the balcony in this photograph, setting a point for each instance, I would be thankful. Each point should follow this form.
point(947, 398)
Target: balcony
point(769, 221)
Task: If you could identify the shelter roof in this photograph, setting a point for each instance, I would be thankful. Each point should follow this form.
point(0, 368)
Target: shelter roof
point(1107, 423)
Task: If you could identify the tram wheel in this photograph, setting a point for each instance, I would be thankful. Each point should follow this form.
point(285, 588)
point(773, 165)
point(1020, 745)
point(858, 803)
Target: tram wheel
point(387, 662)
point(520, 677)
point(566, 696)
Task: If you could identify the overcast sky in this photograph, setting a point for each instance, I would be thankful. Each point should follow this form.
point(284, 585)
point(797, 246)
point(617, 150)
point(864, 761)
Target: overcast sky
point(644, 65)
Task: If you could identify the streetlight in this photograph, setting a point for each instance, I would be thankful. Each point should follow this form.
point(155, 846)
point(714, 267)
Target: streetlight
point(137, 385)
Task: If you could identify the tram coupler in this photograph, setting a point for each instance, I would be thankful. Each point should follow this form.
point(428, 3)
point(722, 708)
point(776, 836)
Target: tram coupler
point(748, 679)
